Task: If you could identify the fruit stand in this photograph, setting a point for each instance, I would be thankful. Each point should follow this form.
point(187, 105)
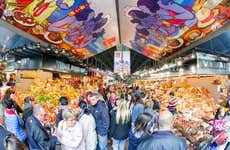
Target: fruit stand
point(196, 105)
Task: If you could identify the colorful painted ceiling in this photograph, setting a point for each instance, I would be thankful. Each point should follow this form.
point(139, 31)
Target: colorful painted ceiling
point(154, 28)
point(84, 27)
point(158, 28)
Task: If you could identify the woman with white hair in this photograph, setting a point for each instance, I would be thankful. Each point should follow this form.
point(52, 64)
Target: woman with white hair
point(120, 124)
point(69, 131)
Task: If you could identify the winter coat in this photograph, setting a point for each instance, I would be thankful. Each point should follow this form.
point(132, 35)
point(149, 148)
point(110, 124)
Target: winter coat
point(136, 111)
point(119, 131)
point(89, 131)
point(136, 138)
point(15, 124)
point(3, 134)
point(28, 111)
point(101, 116)
point(163, 140)
point(38, 138)
point(59, 114)
point(70, 138)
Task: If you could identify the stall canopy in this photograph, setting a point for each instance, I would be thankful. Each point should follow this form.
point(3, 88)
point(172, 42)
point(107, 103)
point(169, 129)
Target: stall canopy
point(154, 28)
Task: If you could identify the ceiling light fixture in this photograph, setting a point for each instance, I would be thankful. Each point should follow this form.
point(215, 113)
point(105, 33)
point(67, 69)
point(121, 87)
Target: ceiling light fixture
point(48, 49)
point(38, 45)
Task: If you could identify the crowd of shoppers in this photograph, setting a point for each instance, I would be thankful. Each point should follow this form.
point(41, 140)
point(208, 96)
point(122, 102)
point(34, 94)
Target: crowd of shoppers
point(125, 119)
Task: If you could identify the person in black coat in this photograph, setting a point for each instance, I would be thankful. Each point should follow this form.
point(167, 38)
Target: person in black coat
point(64, 103)
point(120, 124)
point(100, 113)
point(38, 138)
point(28, 107)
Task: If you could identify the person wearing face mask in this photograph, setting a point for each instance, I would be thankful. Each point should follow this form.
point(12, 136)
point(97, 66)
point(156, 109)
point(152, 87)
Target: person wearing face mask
point(69, 132)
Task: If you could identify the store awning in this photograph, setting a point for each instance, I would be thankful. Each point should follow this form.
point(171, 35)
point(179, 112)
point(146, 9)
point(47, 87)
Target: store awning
point(156, 29)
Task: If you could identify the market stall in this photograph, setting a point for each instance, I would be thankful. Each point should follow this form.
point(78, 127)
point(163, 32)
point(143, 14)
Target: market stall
point(200, 84)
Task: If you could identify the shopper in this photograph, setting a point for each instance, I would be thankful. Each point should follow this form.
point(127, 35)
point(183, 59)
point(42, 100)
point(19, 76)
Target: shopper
point(112, 101)
point(173, 103)
point(88, 124)
point(101, 116)
point(3, 132)
point(13, 121)
point(69, 131)
point(149, 109)
point(10, 94)
point(38, 138)
point(63, 104)
point(164, 138)
point(156, 105)
point(29, 102)
point(139, 130)
point(218, 122)
point(138, 108)
point(120, 124)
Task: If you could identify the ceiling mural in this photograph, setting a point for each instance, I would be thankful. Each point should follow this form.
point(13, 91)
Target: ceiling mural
point(160, 27)
point(81, 26)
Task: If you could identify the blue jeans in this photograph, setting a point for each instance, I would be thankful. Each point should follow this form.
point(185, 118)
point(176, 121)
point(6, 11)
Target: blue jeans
point(102, 142)
point(53, 141)
point(118, 144)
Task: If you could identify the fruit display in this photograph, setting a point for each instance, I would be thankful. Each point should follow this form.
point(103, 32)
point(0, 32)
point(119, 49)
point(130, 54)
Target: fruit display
point(48, 93)
point(195, 102)
point(195, 131)
point(195, 106)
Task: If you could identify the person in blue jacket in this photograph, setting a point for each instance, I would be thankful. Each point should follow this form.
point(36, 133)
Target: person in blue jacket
point(164, 138)
point(3, 132)
point(101, 116)
point(13, 121)
point(140, 130)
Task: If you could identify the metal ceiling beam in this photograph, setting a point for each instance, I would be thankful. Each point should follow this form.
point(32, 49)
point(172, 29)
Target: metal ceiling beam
point(22, 33)
point(118, 20)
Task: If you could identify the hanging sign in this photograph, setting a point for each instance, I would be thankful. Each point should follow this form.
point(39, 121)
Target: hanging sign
point(122, 62)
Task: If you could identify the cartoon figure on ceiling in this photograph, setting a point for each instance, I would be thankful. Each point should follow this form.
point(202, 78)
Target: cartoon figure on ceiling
point(160, 21)
point(164, 25)
point(72, 22)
